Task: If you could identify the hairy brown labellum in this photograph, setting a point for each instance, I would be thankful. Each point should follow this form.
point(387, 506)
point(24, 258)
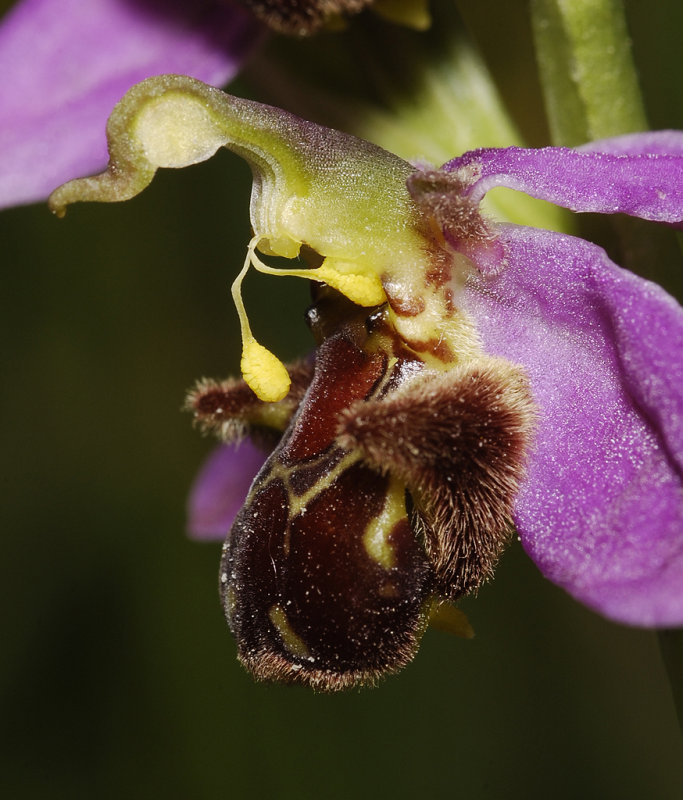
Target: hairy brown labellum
point(323, 579)
point(391, 488)
point(302, 17)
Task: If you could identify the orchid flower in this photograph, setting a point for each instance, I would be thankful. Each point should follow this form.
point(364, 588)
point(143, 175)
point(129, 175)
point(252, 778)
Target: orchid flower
point(469, 375)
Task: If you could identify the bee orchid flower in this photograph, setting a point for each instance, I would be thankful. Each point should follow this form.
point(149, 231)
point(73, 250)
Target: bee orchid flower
point(470, 376)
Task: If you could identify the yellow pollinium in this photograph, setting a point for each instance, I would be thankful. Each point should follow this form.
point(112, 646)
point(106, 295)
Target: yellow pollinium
point(263, 372)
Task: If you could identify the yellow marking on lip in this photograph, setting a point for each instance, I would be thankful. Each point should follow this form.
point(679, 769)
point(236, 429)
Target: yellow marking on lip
point(292, 642)
point(376, 537)
point(299, 503)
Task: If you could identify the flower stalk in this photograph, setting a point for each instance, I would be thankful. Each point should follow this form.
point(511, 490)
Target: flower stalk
point(587, 70)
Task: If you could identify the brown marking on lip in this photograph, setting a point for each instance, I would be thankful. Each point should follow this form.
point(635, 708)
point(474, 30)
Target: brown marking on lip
point(449, 300)
point(405, 306)
point(440, 270)
point(439, 348)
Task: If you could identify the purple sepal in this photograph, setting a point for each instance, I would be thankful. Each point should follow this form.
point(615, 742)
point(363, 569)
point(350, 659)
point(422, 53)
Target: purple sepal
point(220, 489)
point(638, 174)
point(66, 63)
point(601, 510)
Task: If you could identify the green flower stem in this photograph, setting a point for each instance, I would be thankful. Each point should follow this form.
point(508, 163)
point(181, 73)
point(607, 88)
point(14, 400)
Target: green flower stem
point(586, 68)
point(671, 644)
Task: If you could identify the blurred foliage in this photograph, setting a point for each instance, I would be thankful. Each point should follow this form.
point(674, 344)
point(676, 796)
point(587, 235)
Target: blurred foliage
point(118, 675)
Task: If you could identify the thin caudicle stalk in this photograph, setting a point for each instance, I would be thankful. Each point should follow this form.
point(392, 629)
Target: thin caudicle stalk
point(263, 372)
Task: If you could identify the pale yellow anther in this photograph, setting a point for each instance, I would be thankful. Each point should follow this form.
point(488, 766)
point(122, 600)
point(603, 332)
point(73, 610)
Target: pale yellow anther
point(342, 198)
point(362, 289)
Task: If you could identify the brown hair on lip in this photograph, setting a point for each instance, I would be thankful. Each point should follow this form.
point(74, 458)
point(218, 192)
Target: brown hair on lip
point(459, 440)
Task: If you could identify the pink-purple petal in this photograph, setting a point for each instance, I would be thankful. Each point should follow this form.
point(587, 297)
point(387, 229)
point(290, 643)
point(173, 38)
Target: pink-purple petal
point(638, 174)
point(220, 489)
point(649, 142)
point(601, 511)
point(65, 64)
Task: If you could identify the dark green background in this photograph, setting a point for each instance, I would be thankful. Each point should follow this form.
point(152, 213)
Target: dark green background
point(118, 675)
